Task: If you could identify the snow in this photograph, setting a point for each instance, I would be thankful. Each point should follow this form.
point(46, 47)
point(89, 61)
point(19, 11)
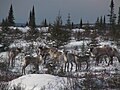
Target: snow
point(78, 30)
point(1, 45)
point(47, 81)
point(43, 29)
point(39, 81)
point(3, 56)
point(76, 43)
point(23, 29)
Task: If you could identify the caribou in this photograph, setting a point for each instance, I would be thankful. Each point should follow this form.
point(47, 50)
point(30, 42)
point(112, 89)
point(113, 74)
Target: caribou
point(68, 58)
point(108, 51)
point(32, 60)
point(40, 57)
point(12, 53)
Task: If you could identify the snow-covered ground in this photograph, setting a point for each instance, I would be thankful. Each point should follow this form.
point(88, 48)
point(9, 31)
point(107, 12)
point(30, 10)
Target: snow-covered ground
point(39, 82)
point(47, 81)
point(25, 29)
point(51, 82)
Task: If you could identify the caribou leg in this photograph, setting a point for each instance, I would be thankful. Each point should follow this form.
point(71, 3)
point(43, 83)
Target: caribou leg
point(23, 69)
point(68, 66)
point(36, 68)
point(87, 64)
point(76, 66)
point(97, 60)
point(12, 62)
point(65, 66)
point(71, 66)
point(110, 61)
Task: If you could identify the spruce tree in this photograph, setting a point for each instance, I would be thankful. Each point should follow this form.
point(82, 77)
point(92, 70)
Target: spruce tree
point(5, 31)
point(45, 24)
point(81, 23)
point(4, 25)
point(119, 17)
point(3, 22)
point(30, 18)
point(69, 24)
point(72, 25)
point(104, 23)
point(101, 21)
point(112, 18)
point(59, 35)
point(11, 17)
point(33, 32)
point(33, 24)
point(101, 25)
point(97, 23)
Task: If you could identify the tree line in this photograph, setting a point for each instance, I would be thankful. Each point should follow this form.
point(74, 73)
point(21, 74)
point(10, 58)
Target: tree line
point(61, 33)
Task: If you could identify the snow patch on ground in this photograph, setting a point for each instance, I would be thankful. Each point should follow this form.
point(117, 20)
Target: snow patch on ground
point(23, 29)
point(78, 30)
point(39, 81)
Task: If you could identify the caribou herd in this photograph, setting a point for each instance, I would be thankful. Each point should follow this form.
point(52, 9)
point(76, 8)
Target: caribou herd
point(65, 58)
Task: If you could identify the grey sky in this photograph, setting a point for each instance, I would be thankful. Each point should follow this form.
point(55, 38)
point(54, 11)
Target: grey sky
point(89, 10)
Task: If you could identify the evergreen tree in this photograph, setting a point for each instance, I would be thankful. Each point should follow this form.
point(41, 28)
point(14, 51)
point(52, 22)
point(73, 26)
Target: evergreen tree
point(3, 22)
point(4, 25)
point(112, 18)
point(4, 32)
point(26, 24)
point(104, 23)
point(119, 17)
point(101, 21)
point(81, 23)
point(32, 23)
point(97, 23)
point(72, 25)
point(44, 23)
point(101, 25)
point(30, 18)
point(69, 24)
point(11, 17)
point(33, 32)
point(59, 35)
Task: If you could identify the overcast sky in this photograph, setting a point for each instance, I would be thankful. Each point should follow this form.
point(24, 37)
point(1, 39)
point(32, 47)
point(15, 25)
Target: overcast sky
point(88, 10)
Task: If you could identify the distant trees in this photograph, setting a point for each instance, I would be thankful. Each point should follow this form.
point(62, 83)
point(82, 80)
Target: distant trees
point(100, 25)
point(32, 32)
point(9, 21)
point(6, 31)
point(4, 25)
point(32, 23)
point(97, 23)
point(44, 23)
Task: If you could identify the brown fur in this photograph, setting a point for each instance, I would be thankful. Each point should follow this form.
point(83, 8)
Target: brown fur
point(12, 53)
point(31, 60)
point(106, 50)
